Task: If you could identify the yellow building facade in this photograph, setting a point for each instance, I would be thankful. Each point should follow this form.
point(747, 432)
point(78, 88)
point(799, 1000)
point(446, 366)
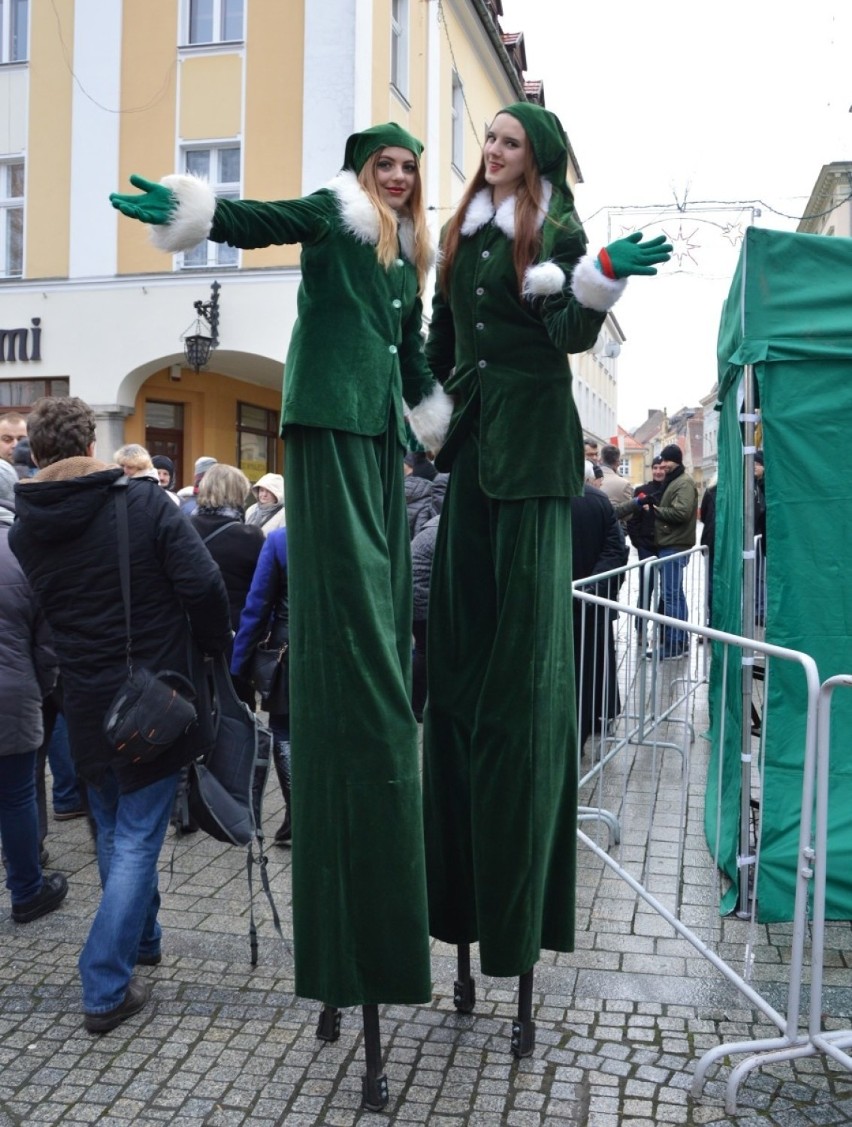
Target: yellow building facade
point(257, 95)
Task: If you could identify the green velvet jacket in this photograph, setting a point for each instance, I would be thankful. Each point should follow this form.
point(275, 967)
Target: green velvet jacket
point(505, 357)
point(357, 348)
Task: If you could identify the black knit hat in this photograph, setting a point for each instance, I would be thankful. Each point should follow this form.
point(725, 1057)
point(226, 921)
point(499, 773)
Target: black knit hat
point(21, 453)
point(420, 465)
point(672, 453)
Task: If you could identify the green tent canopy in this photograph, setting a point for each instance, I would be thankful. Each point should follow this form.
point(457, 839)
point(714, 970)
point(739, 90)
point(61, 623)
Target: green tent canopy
point(787, 320)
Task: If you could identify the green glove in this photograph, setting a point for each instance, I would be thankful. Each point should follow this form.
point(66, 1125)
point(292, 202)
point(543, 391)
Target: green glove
point(626, 256)
point(156, 204)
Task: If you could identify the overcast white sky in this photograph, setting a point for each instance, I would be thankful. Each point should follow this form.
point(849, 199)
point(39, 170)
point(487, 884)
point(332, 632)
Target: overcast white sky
point(726, 103)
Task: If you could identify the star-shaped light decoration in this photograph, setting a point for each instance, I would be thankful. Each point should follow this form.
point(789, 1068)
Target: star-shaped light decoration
point(734, 233)
point(682, 245)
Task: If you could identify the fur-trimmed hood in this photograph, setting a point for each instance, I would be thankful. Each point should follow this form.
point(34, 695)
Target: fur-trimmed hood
point(63, 499)
point(69, 468)
point(361, 219)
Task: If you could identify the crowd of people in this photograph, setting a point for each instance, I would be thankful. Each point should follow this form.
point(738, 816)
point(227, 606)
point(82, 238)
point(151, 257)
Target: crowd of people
point(481, 847)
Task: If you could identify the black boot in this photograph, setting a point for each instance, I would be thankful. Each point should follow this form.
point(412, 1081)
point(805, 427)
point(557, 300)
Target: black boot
point(281, 755)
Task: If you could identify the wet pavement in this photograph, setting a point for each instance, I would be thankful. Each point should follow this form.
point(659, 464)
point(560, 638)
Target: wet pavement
point(621, 1022)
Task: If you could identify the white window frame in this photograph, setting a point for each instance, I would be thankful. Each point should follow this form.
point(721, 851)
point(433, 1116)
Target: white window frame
point(14, 31)
point(400, 45)
point(218, 11)
point(457, 132)
point(10, 204)
point(216, 254)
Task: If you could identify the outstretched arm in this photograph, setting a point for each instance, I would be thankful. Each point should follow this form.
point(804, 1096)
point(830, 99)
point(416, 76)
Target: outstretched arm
point(183, 211)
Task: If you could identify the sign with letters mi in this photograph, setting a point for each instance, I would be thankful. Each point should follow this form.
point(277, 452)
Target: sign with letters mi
point(21, 344)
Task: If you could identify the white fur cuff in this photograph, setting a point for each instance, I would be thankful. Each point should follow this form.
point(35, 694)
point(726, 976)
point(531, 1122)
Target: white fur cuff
point(192, 218)
point(430, 419)
point(592, 288)
point(544, 279)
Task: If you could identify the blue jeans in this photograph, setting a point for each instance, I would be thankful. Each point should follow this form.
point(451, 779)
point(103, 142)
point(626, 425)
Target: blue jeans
point(131, 828)
point(19, 825)
point(66, 793)
point(674, 600)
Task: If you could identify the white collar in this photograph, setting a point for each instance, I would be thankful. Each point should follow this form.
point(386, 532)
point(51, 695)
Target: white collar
point(481, 211)
point(359, 216)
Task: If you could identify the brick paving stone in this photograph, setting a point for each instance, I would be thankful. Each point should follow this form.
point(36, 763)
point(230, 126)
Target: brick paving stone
point(621, 1023)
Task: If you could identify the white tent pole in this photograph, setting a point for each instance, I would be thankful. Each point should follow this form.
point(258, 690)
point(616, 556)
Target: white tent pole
point(746, 860)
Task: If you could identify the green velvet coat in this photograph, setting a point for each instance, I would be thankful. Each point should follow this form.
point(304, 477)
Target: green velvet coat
point(510, 358)
point(500, 767)
point(354, 316)
point(359, 898)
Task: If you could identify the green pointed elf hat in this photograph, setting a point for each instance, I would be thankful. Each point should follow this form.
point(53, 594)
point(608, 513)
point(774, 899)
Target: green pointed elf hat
point(550, 148)
point(390, 135)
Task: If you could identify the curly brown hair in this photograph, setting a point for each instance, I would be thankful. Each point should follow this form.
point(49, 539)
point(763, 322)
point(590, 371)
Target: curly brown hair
point(60, 427)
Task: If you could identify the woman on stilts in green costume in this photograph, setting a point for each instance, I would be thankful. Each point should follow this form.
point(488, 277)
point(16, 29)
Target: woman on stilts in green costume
point(516, 293)
point(355, 360)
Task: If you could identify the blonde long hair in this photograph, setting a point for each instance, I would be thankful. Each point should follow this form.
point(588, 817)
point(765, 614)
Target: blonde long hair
point(526, 243)
point(387, 249)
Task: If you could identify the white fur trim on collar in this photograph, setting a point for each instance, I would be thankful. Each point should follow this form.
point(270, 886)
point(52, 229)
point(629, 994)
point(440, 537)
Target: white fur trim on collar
point(359, 216)
point(592, 288)
point(481, 210)
point(192, 218)
point(361, 219)
point(504, 217)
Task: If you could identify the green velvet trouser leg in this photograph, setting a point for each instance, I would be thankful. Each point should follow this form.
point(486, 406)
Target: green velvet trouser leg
point(359, 900)
point(500, 771)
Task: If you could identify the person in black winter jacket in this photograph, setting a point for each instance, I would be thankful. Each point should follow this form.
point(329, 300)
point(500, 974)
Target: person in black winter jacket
point(597, 546)
point(235, 546)
point(640, 525)
point(66, 541)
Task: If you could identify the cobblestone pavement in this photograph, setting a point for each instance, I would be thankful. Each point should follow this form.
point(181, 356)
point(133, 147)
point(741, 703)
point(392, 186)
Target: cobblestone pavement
point(621, 1023)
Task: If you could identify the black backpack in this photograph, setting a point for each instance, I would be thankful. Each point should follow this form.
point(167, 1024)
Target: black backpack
point(225, 786)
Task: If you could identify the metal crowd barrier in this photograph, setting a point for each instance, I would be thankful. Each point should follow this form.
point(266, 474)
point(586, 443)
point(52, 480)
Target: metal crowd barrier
point(643, 781)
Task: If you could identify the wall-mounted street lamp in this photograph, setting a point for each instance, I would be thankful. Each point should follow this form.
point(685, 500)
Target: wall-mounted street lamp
point(198, 346)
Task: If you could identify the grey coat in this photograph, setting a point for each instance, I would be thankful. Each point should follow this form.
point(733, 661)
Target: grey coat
point(27, 662)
